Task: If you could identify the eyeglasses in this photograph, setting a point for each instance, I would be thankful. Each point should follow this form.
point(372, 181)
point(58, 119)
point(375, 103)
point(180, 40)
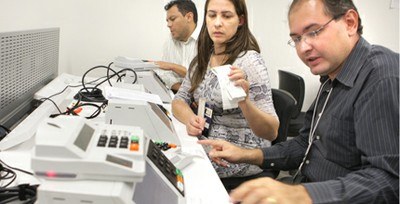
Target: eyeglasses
point(294, 42)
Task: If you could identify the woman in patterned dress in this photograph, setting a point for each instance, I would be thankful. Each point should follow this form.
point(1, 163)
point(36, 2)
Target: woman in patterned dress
point(225, 39)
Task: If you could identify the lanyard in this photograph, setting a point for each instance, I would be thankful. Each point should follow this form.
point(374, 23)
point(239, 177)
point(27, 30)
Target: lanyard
point(313, 126)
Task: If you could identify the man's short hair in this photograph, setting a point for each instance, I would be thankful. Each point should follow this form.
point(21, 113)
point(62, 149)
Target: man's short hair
point(335, 8)
point(184, 7)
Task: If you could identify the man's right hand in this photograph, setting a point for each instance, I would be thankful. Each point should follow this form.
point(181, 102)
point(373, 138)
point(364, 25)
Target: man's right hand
point(223, 152)
point(178, 69)
point(164, 65)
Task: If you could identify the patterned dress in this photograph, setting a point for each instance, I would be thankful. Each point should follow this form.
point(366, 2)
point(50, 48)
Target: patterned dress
point(231, 125)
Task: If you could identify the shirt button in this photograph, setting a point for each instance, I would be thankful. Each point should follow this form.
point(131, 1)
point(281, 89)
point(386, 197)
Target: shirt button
point(307, 161)
point(318, 137)
point(272, 164)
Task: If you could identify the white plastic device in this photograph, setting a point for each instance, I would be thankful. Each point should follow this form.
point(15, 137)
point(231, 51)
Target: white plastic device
point(182, 160)
point(153, 118)
point(26, 128)
point(135, 87)
point(145, 75)
point(72, 148)
point(153, 84)
point(133, 63)
point(99, 192)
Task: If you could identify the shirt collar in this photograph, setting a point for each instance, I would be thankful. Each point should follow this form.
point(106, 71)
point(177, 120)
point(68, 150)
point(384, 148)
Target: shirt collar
point(195, 33)
point(353, 64)
point(193, 36)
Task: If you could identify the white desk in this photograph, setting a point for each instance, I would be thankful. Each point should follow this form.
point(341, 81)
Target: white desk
point(202, 184)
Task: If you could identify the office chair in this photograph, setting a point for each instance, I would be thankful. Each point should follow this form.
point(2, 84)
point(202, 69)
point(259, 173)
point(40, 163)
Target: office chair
point(294, 84)
point(284, 105)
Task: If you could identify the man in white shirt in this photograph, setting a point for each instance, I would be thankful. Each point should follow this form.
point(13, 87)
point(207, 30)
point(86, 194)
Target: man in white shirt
point(181, 47)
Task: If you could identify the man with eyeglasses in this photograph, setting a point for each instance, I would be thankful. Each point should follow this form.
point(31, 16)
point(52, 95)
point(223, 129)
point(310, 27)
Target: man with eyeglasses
point(348, 149)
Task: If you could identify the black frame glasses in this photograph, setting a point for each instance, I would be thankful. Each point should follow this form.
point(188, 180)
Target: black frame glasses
point(294, 42)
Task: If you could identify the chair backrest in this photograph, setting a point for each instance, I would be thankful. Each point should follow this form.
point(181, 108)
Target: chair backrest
point(294, 84)
point(285, 105)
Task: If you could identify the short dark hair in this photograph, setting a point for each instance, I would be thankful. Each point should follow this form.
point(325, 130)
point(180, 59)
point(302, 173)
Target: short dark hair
point(184, 7)
point(336, 9)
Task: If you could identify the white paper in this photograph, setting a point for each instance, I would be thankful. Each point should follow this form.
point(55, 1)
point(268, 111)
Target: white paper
point(127, 94)
point(223, 79)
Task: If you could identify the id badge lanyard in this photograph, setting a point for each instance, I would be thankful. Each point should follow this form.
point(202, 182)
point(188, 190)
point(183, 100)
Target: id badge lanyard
point(313, 126)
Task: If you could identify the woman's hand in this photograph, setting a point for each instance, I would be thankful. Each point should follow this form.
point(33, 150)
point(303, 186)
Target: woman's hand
point(195, 125)
point(240, 78)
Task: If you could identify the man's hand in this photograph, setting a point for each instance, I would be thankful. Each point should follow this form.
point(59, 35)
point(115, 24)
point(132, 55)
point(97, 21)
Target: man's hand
point(223, 152)
point(178, 69)
point(269, 191)
point(164, 65)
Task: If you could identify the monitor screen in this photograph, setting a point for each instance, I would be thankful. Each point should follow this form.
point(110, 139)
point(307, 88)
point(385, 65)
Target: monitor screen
point(162, 115)
point(84, 137)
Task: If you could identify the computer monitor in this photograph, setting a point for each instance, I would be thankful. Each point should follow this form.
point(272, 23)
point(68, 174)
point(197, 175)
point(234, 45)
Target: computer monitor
point(28, 61)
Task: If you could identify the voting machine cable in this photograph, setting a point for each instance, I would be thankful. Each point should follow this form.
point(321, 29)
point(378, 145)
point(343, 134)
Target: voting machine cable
point(8, 172)
point(108, 68)
point(22, 192)
point(62, 91)
point(94, 94)
point(107, 78)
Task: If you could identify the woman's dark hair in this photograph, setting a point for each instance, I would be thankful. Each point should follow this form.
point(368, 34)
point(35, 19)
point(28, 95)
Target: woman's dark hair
point(242, 41)
point(335, 8)
point(184, 7)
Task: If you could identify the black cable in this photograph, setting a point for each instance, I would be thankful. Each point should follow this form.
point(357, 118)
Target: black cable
point(119, 77)
point(74, 86)
point(54, 103)
point(108, 73)
point(78, 104)
point(22, 192)
point(16, 169)
point(10, 199)
point(95, 80)
point(94, 114)
point(133, 71)
point(84, 94)
point(92, 96)
point(93, 68)
point(88, 93)
point(7, 174)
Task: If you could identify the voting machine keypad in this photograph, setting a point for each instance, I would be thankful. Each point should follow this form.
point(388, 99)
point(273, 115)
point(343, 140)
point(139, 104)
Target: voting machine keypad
point(173, 174)
point(119, 139)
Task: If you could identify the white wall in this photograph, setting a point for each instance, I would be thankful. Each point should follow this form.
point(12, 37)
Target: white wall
point(93, 32)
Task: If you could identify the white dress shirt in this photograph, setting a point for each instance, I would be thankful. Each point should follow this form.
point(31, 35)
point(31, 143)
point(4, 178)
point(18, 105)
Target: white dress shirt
point(178, 52)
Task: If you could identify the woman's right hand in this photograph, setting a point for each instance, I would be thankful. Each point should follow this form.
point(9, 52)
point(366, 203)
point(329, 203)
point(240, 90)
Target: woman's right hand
point(195, 126)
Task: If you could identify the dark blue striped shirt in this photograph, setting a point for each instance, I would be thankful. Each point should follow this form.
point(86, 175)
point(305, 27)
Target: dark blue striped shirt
point(355, 155)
